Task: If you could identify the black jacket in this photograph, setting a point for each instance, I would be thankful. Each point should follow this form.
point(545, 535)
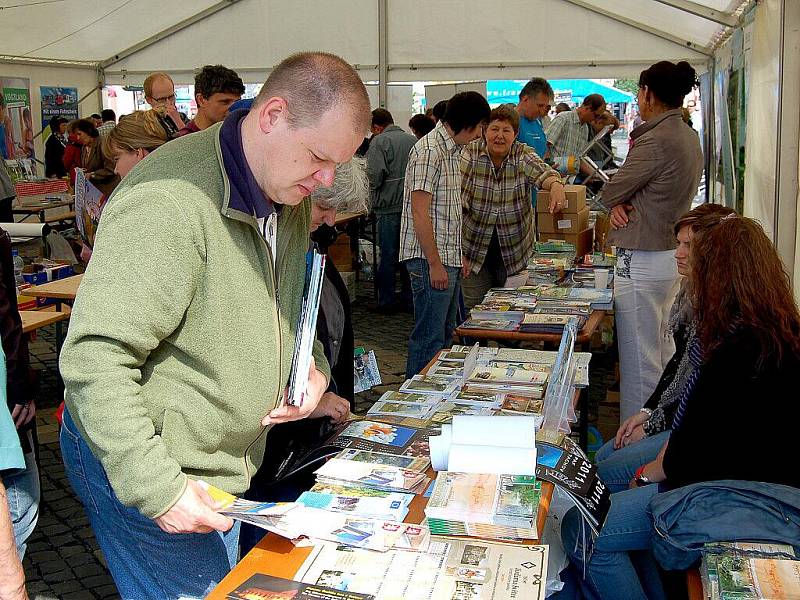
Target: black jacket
point(54, 157)
point(739, 422)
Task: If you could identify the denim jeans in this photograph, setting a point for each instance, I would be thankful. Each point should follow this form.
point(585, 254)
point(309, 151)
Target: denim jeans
point(144, 561)
point(435, 313)
point(617, 467)
point(388, 230)
point(621, 564)
point(23, 492)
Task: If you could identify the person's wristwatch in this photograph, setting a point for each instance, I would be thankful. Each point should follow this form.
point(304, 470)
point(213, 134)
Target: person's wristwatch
point(640, 478)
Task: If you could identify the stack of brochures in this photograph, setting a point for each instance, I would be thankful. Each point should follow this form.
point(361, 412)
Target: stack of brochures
point(357, 500)
point(749, 571)
point(485, 505)
point(376, 470)
point(547, 323)
point(306, 330)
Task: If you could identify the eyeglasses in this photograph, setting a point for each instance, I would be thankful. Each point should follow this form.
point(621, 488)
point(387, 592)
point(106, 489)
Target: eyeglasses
point(170, 98)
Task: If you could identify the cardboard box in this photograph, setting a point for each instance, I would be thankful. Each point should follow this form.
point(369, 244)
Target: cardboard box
point(583, 241)
point(564, 222)
point(576, 199)
point(341, 255)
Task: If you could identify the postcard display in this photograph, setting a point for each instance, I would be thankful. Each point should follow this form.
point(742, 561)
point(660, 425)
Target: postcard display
point(491, 423)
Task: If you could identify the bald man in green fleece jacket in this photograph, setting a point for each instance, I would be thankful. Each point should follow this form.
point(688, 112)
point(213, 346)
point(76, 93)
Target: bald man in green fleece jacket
point(181, 338)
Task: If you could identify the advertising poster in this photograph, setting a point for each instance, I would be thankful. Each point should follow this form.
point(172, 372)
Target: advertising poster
point(57, 102)
point(16, 121)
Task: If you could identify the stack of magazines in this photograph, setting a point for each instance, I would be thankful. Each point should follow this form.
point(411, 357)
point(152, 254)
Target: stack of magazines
point(376, 470)
point(484, 505)
point(306, 329)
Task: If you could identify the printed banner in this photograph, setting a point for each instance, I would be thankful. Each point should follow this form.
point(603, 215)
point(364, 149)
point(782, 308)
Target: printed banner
point(57, 102)
point(16, 121)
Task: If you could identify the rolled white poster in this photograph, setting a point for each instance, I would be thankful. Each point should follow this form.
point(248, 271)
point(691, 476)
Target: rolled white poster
point(492, 459)
point(21, 230)
point(508, 431)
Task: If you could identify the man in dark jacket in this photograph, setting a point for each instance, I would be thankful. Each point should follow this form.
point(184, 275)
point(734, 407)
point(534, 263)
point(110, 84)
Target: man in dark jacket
point(387, 158)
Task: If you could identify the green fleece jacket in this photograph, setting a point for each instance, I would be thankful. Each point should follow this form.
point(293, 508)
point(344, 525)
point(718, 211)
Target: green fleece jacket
point(182, 333)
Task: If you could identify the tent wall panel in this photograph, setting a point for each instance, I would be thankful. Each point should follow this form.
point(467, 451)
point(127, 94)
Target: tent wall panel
point(253, 35)
point(762, 116)
point(83, 79)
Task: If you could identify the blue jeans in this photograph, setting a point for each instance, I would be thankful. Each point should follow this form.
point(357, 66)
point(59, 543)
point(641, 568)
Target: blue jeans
point(617, 467)
point(388, 230)
point(621, 564)
point(435, 313)
point(23, 492)
point(144, 561)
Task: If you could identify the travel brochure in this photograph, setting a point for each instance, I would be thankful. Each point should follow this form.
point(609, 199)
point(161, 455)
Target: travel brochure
point(368, 502)
point(266, 587)
point(460, 500)
point(389, 472)
point(306, 330)
point(749, 570)
point(463, 570)
point(366, 374)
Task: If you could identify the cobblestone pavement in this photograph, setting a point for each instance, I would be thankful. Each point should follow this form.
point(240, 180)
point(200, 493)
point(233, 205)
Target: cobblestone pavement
point(63, 559)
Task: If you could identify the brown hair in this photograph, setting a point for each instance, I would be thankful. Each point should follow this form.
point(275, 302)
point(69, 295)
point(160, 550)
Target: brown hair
point(314, 82)
point(507, 113)
point(738, 280)
point(148, 83)
point(706, 212)
point(140, 129)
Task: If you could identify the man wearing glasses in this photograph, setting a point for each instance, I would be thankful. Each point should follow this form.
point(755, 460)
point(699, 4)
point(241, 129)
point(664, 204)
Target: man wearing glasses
point(159, 93)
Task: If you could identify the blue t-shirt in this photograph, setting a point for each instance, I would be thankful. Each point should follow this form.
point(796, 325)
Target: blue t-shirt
point(532, 133)
point(11, 456)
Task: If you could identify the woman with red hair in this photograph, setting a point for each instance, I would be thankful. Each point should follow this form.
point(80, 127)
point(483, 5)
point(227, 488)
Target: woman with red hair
point(746, 356)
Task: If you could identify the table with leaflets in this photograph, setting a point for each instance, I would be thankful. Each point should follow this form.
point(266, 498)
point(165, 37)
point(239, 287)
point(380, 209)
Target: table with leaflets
point(278, 557)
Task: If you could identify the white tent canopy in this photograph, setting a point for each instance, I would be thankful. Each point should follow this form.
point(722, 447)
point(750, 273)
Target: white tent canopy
point(89, 43)
point(412, 40)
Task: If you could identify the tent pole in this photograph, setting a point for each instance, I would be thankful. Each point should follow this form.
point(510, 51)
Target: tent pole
point(788, 138)
point(383, 47)
point(717, 16)
point(165, 33)
point(642, 27)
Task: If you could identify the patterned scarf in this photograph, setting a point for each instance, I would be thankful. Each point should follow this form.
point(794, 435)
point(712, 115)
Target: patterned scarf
point(696, 359)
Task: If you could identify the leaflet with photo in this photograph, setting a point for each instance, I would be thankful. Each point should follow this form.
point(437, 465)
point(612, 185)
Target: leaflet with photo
point(468, 570)
point(378, 436)
point(267, 587)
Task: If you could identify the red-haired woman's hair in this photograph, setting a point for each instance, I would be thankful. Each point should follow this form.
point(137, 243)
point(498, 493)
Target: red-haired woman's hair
point(738, 279)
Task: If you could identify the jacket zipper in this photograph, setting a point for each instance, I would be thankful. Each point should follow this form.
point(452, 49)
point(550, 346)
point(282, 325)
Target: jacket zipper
point(274, 275)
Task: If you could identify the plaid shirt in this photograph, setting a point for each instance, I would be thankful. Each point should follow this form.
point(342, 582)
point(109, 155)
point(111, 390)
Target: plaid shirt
point(566, 133)
point(434, 167)
point(500, 199)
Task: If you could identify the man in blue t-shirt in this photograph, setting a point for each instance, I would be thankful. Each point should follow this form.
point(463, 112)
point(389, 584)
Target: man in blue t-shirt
point(534, 103)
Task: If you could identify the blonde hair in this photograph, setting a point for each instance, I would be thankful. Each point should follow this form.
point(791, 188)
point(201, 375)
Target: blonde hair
point(139, 130)
point(350, 189)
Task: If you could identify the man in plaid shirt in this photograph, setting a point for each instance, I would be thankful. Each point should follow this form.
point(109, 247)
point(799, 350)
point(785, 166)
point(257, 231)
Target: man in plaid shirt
point(430, 228)
point(498, 175)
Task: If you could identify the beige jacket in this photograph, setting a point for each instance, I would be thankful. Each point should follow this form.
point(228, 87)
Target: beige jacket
point(659, 178)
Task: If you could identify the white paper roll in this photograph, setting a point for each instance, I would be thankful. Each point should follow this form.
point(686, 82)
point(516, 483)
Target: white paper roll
point(26, 229)
point(492, 459)
point(439, 452)
point(507, 431)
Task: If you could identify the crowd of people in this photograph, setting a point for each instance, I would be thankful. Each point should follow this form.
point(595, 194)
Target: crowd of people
point(169, 380)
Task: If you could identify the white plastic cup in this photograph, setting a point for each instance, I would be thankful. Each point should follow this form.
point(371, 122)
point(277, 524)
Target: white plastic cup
point(601, 278)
